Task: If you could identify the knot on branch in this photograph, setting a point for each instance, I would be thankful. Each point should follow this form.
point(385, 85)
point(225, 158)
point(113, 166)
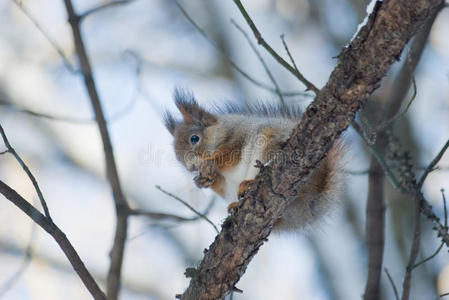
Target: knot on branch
point(191, 273)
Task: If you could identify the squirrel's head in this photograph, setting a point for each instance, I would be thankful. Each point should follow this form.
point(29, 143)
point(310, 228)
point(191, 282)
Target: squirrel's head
point(190, 133)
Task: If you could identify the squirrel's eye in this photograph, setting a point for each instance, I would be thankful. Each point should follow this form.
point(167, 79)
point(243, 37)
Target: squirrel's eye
point(194, 139)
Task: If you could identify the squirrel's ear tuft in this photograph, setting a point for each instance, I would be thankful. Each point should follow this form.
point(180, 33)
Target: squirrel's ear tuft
point(170, 122)
point(191, 111)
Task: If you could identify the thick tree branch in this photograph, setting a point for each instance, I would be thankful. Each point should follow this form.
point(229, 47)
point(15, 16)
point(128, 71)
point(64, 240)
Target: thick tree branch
point(360, 68)
point(121, 205)
point(59, 236)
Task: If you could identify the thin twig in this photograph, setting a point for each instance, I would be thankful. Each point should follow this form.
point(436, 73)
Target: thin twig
point(121, 204)
point(66, 61)
point(4, 152)
point(368, 171)
point(159, 216)
point(165, 216)
point(47, 116)
point(390, 279)
point(399, 115)
point(430, 257)
point(414, 249)
point(288, 52)
point(9, 284)
point(189, 207)
point(432, 164)
point(443, 295)
point(232, 63)
point(392, 178)
point(444, 208)
point(57, 235)
point(270, 50)
point(103, 6)
point(28, 172)
point(267, 70)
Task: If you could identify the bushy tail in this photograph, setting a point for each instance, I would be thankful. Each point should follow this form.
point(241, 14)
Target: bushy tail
point(317, 197)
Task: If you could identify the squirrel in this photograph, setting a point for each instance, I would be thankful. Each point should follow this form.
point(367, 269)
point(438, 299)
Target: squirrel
point(222, 149)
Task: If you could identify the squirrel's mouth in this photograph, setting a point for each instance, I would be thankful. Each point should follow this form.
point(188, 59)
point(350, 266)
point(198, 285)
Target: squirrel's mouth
point(192, 168)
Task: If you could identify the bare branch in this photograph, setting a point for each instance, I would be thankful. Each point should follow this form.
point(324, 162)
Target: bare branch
point(390, 279)
point(59, 236)
point(121, 205)
point(102, 7)
point(273, 53)
point(164, 216)
point(232, 63)
point(380, 159)
point(444, 208)
point(375, 230)
point(47, 116)
point(288, 53)
point(58, 49)
point(189, 207)
point(8, 285)
point(432, 165)
point(388, 123)
point(406, 283)
point(27, 171)
point(278, 90)
point(430, 257)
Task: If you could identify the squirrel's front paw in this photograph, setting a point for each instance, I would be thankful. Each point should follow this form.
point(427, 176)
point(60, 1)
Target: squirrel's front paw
point(207, 174)
point(243, 187)
point(203, 181)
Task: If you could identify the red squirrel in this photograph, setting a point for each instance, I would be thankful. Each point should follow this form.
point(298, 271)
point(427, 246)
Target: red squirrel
point(222, 149)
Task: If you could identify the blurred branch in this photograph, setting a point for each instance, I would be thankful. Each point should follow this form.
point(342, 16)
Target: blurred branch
point(102, 7)
point(278, 90)
point(375, 230)
point(273, 53)
point(66, 61)
point(432, 164)
point(430, 257)
point(377, 44)
point(380, 159)
point(232, 63)
point(46, 116)
point(375, 209)
point(189, 207)
point(288, 53)
point(59, 236)
point(390, 279)
point(27, 171)
point(121, 205)
point(165, 216)
point(406, 283)
point(368, 171)
point(9, 284)
point(399, 115)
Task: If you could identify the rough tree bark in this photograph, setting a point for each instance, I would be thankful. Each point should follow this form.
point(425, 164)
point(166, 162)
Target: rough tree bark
point(360, 68)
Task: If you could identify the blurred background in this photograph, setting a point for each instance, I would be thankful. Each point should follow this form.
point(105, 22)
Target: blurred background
point(139, 53)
